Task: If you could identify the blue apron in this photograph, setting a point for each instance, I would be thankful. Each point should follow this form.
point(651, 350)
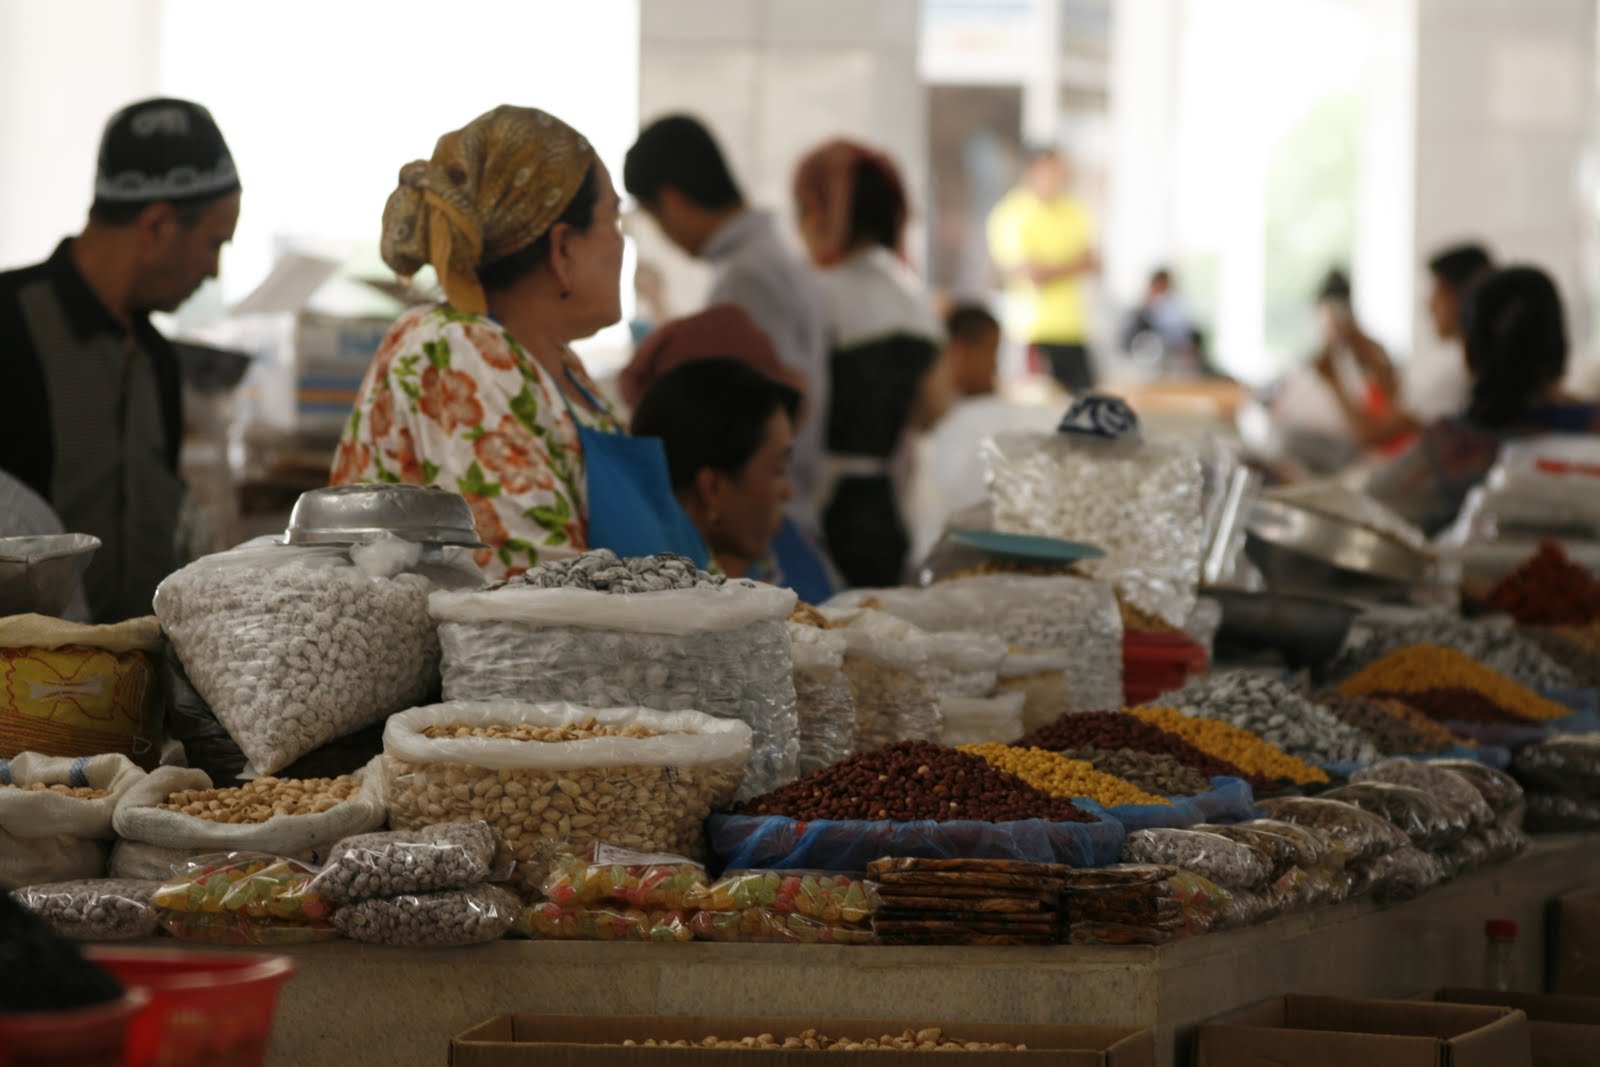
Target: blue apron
point(631, 507)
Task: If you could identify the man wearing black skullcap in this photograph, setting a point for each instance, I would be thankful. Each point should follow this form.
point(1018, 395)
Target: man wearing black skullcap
point(91, 410)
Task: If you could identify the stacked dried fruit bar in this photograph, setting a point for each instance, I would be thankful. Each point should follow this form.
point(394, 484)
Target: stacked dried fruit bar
point(966, 902)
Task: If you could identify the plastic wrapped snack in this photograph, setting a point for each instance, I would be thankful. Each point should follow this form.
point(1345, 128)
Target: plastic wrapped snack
point(607, 875)
point(982, 720)
point(1060, 617)
point(964, 664)
point(1445, 785)
point(1557, 813)
point(577, 631)
point(55, 815)
point(1358, 833)
point(293, 646)
point(1463, 857)
point(1141, 904)
point(1498, 789)
point(829, 898)
point(1395, 876)
point(1284, 851)
point(433, 920)
point(1503, 842)
point(762, 925)
point(554, 779)
point(1041, 679)
point(1229, 863)
point(445, 856)
point(95, 909)
point(1138, 499)
point(1428, 821)
point(824, 705)
point(1565, 764)
point(559, 922)
point(1313, 849)
point(886, 662)
point(243, 899)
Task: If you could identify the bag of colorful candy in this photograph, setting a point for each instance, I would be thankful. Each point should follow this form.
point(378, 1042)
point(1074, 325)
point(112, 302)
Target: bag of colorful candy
point(244, 898)
point(603, 874)
point(557, 922)
point(765, 925)
point(829, 898)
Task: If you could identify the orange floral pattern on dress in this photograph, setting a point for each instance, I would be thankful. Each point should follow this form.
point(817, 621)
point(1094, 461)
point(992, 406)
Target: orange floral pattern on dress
point(452, 400)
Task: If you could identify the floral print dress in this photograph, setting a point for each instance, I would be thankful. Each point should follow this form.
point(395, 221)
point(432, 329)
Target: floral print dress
point(451, 400)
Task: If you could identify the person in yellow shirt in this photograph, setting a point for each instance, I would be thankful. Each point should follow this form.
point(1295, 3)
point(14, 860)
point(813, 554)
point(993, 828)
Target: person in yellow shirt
point(1043, 241)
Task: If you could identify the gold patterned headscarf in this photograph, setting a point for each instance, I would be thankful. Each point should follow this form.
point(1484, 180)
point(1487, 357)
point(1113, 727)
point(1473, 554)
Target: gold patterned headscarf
point(491, 189)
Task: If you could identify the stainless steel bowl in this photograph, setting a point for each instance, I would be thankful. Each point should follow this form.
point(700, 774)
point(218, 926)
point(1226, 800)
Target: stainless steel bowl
point(1344, 544)
point(1305, 631)
point(38, 575)
point(351, 514)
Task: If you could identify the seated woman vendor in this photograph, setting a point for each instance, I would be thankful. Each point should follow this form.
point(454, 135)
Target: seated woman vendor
point(482, 394)
point(728, 432)
point(1516, 349)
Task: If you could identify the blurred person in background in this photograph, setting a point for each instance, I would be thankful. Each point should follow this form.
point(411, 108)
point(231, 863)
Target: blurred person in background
point(482, 394)
point(1358, 373)
point(1162, 323)
point(1436, 387)
point(677, 173)
point(91, 418)
point(884, 366)
point(1043, 241)
point(1514, 334)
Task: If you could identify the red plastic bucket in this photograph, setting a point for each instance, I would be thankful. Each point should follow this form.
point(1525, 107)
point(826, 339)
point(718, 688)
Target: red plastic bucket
point(85, 1037)
point(206, 1009)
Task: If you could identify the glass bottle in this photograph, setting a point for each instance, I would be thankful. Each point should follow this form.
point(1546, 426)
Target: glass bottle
point(1500, 937)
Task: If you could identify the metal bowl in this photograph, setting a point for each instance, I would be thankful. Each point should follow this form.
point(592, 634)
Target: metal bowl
point(1305, 631)
point(1344, 544)
point(351, 514)
point(38, 575)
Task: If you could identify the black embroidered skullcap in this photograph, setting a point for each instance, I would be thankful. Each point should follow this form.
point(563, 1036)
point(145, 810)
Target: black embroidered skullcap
point(163, 149)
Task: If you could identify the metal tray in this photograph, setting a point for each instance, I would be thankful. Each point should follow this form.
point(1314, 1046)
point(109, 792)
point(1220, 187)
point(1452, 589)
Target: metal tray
point(38, 575)
point(1348, 545)
point(350, 514)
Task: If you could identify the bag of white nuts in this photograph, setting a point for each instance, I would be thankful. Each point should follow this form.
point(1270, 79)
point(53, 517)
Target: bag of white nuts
point(55, 815)
point(554, 778)
point(1073, 617)
point(453, 855)
point(650, 632)
point(293, 646)
point(176, 808)
point(432, 920)
point(886, 661)
point(827, 710)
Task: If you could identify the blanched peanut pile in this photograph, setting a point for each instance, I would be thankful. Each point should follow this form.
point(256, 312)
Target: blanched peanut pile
point(75, 792)
point(262, 798)
point(933, 1040)
point(577, 731)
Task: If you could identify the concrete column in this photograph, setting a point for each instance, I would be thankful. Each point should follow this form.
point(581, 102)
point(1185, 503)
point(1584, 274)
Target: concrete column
point(772, 78)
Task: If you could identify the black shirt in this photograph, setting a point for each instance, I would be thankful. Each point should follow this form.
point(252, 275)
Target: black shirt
point(91, 418)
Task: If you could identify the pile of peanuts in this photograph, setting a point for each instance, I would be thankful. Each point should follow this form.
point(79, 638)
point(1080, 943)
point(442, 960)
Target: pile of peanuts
point(1421, 668)
point(586, 730)
point(260, 799)
point(1053, 773)
point(541, 814)
point(1234, 744)
point(913, 780)
point(76, 792)
point(1112, 730)
point(933, 1040)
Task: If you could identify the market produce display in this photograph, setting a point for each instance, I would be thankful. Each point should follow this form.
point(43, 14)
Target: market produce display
point(1499, 790)
point(1360, 834)
point(1448, 786)
point(95, 909)
point(392, 863)
point(56, 815)
point(1496, 643)
point(243, 899)
point(828, 898)
point(261, 798)
point(1155, 772)
point(1059, 776)
point(56, 978)
point(913, 780)
point(608, 875)
point(1548, 589)
point(1229, 863)
point(966, 902)
point(886, 663)
point(1261, 763)
point(563, 922)
point(766, 926)
point(1393, 727)
point(1447, 684)
point(1110, 730)
point(824, 704)
point(1140, 904)
point(1562, 779)
point(1430, 823)
point(437, 920)
point(1275, 713)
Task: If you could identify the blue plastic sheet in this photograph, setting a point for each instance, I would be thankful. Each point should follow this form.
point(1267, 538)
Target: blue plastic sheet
point(1229, 800)
point(1585, 705)
point(776, 843)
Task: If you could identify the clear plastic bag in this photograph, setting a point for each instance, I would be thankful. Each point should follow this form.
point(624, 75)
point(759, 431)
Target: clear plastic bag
point(606, 875)
point(764, 926)
point(432, 920)
point(1565, 764)
point(1139, 500)
point(886, 662)
point(1428, 821)
point(1463, 857)
point(227, 928)
point(1498, 789)
point(721, 650)
point(824, 705)
point(981, 720)
point(1283, 850)
point(1395, 876)
point(395, 862)
point(550, 921)
point(831, 899)
point(295, 646)
point(243, 898)
point(1142, 904)
point(1229, 863)
point(964, 664)
point(553, 798)
point(1067, 617)
point(1359, 834)
point(1445, 785)
point(95, 909)
point(1041, 678)
point(1561, 813)
point(1504, 842)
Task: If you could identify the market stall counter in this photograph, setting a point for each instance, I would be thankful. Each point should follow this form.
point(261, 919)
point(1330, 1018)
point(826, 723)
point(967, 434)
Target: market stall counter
point(401, 1006)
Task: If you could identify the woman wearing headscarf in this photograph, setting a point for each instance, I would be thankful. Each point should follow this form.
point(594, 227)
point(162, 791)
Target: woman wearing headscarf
point(884, 341)
point(1516, 349)
point(483, 394)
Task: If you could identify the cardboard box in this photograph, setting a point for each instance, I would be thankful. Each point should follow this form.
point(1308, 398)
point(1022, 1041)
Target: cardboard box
point(1335, 1032)
point(1565, 1030)
point(1574, 947)
point(596, 1041)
